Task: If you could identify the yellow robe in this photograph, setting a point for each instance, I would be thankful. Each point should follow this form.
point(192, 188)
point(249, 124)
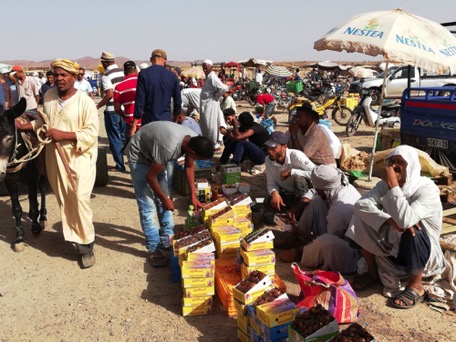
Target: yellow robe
point(78, 115)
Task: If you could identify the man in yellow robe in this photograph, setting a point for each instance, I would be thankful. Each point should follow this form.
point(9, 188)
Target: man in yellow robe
point(74, 124)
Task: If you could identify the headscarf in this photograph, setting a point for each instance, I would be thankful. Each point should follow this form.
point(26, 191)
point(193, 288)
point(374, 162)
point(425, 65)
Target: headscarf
point(328, 179)
point(65, 64)
point(414, 180)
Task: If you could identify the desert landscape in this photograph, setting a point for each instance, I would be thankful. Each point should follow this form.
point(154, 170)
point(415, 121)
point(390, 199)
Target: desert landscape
point(45, 296)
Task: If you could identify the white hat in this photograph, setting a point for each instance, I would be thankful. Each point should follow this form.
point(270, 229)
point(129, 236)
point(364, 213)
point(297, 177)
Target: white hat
point(208, 61)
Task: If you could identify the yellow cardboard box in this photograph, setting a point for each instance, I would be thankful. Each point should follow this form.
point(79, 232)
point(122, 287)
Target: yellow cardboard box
point(197, 301)
point(196, 310)
point(204, 291)
point(277, 312)
point(268, 269)
point(198, 282)
point(261, 257)
point(193, 269)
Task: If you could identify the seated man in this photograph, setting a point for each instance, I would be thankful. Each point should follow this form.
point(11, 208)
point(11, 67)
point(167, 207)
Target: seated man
point(308, 137)
point(188, 121)
point(397, 225)
point(288, 179)
point(245, 140)
point(150, 151)
point(324, 222)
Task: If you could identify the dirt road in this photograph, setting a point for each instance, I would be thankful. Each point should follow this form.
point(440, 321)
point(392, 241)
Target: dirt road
point(45, 296)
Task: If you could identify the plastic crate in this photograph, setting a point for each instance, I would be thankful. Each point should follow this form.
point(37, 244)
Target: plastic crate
point(252, 85)
point(180, 181)
point(294, 86)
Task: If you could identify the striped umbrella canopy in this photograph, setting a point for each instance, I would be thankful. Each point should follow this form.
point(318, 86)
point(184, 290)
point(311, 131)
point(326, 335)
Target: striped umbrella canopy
point(277, 70)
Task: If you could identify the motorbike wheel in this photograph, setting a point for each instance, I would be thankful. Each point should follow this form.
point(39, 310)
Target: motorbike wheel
point(353, 125)
point(342, 115)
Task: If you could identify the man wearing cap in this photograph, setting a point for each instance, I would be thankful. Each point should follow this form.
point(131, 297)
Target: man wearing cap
point(74, 124)
point(323, 224)
point(114, 124)
point(26, 87)
point(83, 84)
point(125, 94)
point(288, 179)
point(211, 114)
point(157, 86)
point(308, 137)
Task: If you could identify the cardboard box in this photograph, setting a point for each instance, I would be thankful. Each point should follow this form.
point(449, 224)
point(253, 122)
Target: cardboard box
point(261, 235)
point(227, 234)
point(243, 188)
point(261, 257)
point(277, 333)
point(323, 334)
point(268, 269)
point(201, 184)
point(201, 257)
point(197, 301)
point(196, 310)
point(229, 189)
point(198, 282)
point(209, 247)
point(243, 337)
point(242, 322)
point(230, 169)
point(180, 180)
point(249, 247)
point(192, 269)
point(211, 208)
point(204, 291)
point(277, 313)
point(256, 291)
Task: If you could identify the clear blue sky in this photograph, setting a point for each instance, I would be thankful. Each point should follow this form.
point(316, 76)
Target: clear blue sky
point(187, 30)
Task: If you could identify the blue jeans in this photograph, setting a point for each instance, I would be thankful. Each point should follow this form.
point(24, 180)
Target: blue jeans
point(115, 129)
point(150, 206)
point(241, 150)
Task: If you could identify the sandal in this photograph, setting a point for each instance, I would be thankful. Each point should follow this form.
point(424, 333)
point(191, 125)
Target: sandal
point(291, 255)
point(409, 298)
point(364, 282)
point(156, 259)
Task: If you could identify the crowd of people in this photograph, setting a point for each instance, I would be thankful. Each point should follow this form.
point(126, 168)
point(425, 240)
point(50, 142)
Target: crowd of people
point(152, 121)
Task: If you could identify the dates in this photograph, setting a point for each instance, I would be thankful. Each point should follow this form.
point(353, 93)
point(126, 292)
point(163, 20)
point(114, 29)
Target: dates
point(188, 232)
point(250, 281)
point(267, 297)
point(354, 332)
point(221, 212)
point(199, 245)
point(255, 235)
point(310, 321)
point(192, 239)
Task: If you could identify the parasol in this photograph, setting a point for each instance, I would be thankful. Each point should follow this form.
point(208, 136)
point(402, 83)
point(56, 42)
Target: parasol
point(398, 36)
point(277, 70)
point(195, 71)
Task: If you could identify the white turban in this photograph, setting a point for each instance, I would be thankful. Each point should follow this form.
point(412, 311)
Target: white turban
point(208, 61)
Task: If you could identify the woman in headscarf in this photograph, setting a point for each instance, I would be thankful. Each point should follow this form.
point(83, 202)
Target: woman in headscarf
point(397, 225)
point(325, 221)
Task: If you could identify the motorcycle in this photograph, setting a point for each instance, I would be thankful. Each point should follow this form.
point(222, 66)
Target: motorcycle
point(389, 116)
point(340, 113)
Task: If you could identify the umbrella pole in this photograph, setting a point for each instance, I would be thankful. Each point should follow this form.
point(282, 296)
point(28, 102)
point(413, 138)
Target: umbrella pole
point(371, 166)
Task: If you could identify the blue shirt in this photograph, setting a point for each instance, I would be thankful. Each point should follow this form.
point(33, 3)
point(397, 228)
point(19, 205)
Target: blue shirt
point(154, 91)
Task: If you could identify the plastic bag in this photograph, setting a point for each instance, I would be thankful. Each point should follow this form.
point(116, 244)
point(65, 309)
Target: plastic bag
point(330, 290)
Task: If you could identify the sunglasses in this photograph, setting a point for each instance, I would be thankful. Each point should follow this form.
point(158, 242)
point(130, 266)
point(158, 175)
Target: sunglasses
point(80, 74)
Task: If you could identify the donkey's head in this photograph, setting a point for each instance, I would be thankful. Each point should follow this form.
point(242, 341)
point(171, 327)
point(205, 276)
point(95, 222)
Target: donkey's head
point(7, 133)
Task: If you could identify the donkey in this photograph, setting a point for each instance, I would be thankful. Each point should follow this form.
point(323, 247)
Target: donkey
point(12, 148)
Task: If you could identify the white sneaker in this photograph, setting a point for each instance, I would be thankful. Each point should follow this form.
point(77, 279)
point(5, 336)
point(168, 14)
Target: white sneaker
point(257, 169)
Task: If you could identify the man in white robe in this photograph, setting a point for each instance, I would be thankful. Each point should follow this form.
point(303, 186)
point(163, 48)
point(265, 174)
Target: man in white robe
point(74, 124)
point(211, 115)
point(397, 225)
point(325, 221)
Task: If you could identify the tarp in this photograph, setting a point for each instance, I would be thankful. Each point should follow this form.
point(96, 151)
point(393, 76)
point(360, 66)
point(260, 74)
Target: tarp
point(252, 62)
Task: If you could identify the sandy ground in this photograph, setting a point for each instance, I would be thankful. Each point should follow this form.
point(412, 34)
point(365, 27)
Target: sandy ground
point(45, 296)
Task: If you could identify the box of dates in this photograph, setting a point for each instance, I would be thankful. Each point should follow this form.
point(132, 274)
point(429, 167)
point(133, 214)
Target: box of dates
point(277, 312)
point(191, 269)
point(315, 324)
point(250, 288)
point(261, 257)
point(258, 240)
point(189, 237)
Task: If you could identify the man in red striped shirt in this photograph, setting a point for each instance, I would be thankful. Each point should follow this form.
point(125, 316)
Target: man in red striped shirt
point(124, 95)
